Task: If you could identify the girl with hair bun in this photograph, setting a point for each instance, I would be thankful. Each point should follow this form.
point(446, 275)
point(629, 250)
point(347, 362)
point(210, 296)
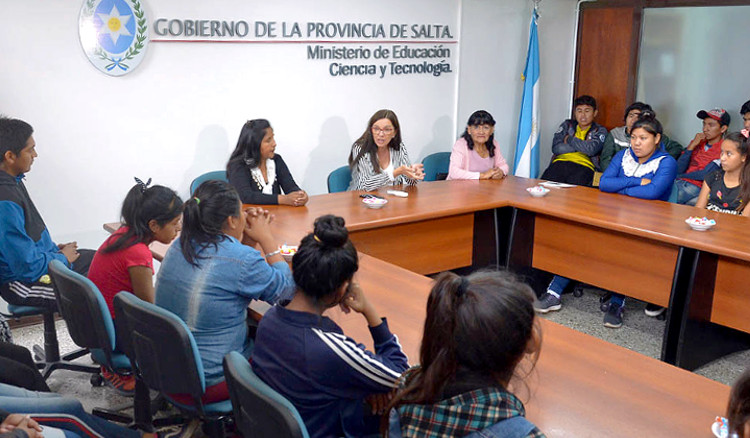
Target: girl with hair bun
point(306, 357)
point(212, 272)
point(123, 263)
point(477, 331)
point(645, 170)
point(727, 190)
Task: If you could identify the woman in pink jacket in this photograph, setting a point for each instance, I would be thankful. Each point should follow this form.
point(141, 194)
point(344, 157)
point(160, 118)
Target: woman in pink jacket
point(476, 154)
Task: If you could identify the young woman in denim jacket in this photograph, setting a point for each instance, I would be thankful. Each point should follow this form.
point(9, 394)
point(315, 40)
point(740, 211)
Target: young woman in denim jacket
point(212, 272)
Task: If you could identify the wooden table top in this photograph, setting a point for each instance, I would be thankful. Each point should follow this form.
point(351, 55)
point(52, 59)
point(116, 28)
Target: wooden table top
point(657, 220)
point(581, 386)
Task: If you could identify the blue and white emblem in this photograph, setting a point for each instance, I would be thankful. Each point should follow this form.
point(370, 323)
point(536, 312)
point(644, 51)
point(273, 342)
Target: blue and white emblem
point(114, 34)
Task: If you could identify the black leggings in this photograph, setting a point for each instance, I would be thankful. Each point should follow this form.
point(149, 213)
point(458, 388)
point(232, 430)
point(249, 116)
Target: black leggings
point(17, 368)
point(570, 173)
point(39, 294)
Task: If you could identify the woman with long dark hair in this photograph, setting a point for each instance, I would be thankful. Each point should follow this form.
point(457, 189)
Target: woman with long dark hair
point(477, 331)
point(260, 174)
point(378, 158)
point(212, 272)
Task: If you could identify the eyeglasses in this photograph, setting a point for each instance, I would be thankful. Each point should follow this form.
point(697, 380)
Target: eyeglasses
point(386, 131)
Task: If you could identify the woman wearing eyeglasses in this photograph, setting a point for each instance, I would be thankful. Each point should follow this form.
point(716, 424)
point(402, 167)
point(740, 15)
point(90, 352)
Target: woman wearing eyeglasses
point(379, 158)
point(476, 153)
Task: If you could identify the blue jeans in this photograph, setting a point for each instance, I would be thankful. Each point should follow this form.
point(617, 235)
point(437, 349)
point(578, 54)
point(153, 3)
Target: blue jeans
point(684, 192)
point(558, 284)
point(49, 409)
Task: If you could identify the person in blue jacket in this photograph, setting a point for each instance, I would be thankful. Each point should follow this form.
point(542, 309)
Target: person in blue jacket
point(306, 357)
point(646, 171)
point(27, 247)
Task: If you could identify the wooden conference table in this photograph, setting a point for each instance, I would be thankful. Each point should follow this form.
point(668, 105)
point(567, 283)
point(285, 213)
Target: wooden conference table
point(581, 386)
point(642, 249)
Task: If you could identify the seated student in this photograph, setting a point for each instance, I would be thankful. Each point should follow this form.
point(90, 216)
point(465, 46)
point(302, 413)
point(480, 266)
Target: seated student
point(26, 245)
point(727, 190)
point(29, 414)
point(745, 113)
point(124, 262)
point(477, 331)
point(701, 157)
point(738, 408)
point(378, 158)
point(619, 138)
point(212, 272)
point(476, 155)
point(258, 173)
point(576, 146)
point(645, 171)
point(307, 358)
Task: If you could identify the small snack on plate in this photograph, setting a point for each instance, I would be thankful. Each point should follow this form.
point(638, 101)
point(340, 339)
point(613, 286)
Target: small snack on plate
point(288, 251)
point(700, 223)
point(537, 191)
point(372, 202)
point(720, 428)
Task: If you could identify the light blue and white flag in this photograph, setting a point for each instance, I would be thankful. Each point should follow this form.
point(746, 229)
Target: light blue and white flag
point(527, 142)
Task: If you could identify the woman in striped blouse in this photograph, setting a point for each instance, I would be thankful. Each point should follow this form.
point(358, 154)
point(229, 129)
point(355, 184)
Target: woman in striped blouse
point(378, 158)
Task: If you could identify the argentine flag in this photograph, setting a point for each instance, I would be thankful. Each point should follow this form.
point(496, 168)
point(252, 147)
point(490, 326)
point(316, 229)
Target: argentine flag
point(527, 143)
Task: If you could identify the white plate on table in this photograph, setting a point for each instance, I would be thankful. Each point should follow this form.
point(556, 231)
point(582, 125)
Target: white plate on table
point(373, 202)
point(700, 224)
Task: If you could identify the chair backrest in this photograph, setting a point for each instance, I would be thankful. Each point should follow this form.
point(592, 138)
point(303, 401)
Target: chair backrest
point(339, 179)
point(258, 409)
point(436, 164)
point(220, 175)
point(162, 346)
point(84, 310)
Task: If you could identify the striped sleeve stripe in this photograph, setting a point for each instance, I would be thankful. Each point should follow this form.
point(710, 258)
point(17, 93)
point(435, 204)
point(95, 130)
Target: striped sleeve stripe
point(385, 371)
point(53, 420)
point(357, 359)
point(25, 291)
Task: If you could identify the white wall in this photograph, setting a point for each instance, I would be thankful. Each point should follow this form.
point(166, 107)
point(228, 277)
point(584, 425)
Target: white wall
point(179, 114)
point(494, 41)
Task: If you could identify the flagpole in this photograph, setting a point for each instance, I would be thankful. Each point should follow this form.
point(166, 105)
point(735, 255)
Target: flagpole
point(526, 163)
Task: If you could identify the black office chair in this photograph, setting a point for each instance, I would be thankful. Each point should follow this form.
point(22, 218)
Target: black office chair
point(259, 411)
point(168, 359)
point(48, 358)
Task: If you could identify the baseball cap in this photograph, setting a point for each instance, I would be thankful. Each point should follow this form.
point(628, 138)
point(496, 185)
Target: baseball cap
point(718, 114)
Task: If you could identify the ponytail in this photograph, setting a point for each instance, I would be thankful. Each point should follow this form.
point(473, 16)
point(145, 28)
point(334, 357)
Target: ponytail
point(482, 323)
point(204, 218)
point(143, 204)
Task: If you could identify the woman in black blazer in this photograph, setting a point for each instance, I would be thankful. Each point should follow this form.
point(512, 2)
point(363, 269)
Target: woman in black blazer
point(258, 173)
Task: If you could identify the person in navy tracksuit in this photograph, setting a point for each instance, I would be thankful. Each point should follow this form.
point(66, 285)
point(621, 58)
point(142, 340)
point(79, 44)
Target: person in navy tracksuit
point(307, 358)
